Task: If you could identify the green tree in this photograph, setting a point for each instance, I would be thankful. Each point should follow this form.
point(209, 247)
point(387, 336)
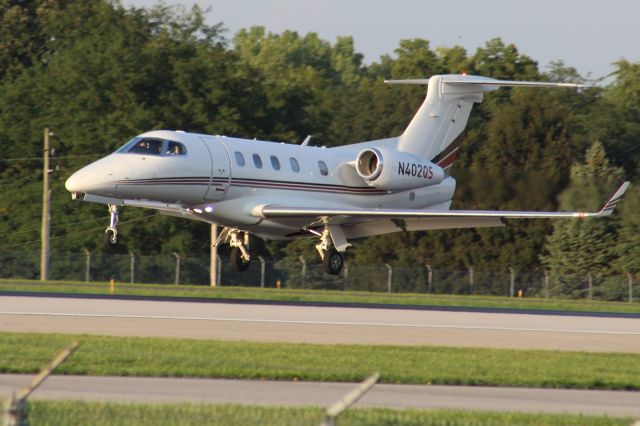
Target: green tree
point(628, 247)
point(579, 247)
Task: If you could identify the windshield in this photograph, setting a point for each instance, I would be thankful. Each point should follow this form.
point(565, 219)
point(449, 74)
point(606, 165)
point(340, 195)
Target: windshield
point(152, 146)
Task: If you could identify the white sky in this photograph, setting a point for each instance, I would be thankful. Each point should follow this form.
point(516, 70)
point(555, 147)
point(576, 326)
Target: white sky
point(587, 34)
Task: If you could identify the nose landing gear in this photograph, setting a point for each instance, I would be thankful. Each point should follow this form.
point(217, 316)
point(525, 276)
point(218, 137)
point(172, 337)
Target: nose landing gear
point(112, 230)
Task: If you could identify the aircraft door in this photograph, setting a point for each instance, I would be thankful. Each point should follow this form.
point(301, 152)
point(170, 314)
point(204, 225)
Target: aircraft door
point(220, 170)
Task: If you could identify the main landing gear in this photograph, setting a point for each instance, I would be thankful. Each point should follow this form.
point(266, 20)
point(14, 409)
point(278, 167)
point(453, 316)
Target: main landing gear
point(111, 232)
point(240, 258)
point(332, 259)
point(331, 246)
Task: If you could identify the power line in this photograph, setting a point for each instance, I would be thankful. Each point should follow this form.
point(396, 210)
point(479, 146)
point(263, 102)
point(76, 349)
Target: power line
point(53, 158)
point(62, 225)
point(77, 232)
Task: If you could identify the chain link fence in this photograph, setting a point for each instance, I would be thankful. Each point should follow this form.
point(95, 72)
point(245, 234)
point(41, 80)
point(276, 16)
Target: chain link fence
point(300, 273)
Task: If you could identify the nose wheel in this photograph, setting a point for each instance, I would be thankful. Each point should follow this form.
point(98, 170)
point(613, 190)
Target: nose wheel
point(111, 232)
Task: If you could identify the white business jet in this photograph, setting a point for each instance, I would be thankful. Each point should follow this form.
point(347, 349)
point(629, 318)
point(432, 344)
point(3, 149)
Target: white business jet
point(285, 191)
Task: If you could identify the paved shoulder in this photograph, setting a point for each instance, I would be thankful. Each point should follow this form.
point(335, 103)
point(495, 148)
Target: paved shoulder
point(323, 325)
point(156, 390)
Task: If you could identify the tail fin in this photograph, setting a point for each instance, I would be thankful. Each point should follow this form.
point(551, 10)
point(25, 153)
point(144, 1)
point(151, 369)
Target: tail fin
point(445, 112)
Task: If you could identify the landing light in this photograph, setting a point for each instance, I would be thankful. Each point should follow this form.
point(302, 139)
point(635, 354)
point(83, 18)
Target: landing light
point(199, 211)
point(208, 209)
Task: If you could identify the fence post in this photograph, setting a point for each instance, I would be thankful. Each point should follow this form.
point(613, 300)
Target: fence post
point(87, 265)
point(346, 276)
point(348, 400)
point(590, 281)
point(429, 277)
point(303, 273)
point(630, 278)
point(512, 281)
point(262, 269)
point(15, 408)
point(470, 279)
point(132, 266)
point(177, 256)
point(219, 274)
point(389, 276)
point(546, 284)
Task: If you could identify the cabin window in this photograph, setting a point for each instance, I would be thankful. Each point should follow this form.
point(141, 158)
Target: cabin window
point(294, 165)
point(275, 163)
point(239, 159)
point(147, 146)
point(324, 171)
point(257, 161)
point(175, 148)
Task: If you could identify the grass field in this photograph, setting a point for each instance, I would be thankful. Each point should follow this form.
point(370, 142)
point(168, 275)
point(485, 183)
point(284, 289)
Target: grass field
point(94, 413)
point(254, 293)
point(126, 356)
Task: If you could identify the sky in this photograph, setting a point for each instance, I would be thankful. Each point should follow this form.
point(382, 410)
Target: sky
point(586, 34)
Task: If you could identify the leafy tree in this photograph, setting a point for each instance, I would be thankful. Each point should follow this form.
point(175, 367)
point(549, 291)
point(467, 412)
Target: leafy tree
point(579, 247)
point(628, 244)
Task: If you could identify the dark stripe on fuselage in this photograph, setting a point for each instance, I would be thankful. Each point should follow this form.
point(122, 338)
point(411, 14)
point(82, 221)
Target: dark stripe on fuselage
point(260, 183)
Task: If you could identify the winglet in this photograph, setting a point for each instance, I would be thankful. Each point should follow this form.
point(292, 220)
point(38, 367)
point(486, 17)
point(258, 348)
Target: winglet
point(610, 205)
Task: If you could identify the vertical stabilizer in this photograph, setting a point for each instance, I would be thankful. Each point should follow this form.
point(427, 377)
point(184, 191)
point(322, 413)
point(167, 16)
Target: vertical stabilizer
point(445, 112)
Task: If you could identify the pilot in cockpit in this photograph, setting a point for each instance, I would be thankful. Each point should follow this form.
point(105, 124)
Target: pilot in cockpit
point(147, 146)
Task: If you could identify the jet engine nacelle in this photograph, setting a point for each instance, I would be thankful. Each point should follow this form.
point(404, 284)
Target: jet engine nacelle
point(393, 170)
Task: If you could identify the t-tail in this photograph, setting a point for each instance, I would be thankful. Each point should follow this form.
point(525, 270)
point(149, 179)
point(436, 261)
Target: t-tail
point(445, 112)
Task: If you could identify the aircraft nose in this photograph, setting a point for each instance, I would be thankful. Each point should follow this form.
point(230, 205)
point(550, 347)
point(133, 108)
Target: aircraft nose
point(74, 183)
point(94, 179)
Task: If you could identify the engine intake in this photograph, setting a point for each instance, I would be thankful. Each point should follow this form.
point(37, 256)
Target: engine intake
point(393, 170)
point(369, 164)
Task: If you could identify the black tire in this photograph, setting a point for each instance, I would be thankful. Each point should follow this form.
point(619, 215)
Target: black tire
point(110, 237)
point(238, 263)
point(333, 262)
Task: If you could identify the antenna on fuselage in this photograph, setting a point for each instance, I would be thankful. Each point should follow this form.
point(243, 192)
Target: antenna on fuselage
point(306, 140)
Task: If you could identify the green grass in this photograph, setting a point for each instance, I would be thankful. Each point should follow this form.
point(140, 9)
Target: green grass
point(127, 356)
point(319, 296)
point(101, 413)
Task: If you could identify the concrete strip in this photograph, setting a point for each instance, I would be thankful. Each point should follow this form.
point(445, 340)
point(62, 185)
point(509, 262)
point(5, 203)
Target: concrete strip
point(158, 390)
point(322, 325)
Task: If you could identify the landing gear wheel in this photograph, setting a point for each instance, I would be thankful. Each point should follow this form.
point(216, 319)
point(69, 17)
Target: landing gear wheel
point(333, 262)
point(238, 262)
point(111, 237)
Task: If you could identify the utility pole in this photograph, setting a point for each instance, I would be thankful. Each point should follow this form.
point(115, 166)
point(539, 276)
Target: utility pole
point(46, 211)
point(213, 264)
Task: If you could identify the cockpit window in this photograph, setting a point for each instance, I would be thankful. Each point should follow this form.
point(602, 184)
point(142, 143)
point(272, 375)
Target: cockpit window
point(129, 144)
point(152, 146)
point(147, 146)
point(175, 148)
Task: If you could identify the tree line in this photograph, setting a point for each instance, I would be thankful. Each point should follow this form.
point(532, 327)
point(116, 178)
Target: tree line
point(98, 73)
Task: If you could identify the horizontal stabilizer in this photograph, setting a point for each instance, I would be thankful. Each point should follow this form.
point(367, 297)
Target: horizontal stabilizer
point(473, 80)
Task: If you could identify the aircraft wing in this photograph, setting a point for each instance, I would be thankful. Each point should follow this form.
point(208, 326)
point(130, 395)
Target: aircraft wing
point(276, 211)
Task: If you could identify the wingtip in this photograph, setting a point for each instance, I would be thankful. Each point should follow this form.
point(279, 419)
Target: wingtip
point(612, 203)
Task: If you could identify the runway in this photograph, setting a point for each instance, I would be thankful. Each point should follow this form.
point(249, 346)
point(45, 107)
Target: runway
point(162, 390)
point(311, 324)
